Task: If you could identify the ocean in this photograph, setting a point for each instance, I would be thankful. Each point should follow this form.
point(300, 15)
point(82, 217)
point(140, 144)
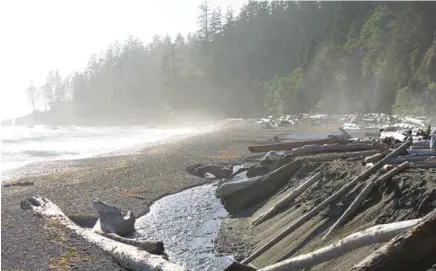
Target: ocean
point(23, 145)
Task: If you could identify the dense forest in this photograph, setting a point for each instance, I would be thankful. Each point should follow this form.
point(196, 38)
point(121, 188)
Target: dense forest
point(268, 58)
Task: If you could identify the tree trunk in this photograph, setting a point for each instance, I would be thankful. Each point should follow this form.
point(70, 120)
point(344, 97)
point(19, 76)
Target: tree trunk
point(300, 221)
point(287, 199)
point(373, 235)
point(290, 145)
point(153, 247)
point(335, 156)
point(315, 149)
point(127, 256)
point(412, 250)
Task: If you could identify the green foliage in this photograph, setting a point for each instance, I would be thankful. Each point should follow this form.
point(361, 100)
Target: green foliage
point(270, 57)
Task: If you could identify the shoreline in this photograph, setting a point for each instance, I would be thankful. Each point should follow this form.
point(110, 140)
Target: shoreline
point(47, 166)
point(131, 182)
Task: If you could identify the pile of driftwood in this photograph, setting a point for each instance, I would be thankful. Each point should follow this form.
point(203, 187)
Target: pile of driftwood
point(383, 159)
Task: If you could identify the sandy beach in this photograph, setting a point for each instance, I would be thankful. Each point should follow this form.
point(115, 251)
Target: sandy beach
point(131, 182)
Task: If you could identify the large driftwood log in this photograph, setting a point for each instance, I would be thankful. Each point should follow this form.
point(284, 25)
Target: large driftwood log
point(315, 149)
point(335, 156)
point(300, 221)
point(127, 256)
point(260, 187)
point(287, 199)
point(414, 248)
point(376, 234)
point(290, 145)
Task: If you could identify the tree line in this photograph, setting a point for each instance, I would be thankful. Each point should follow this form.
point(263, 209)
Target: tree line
point(271, 57)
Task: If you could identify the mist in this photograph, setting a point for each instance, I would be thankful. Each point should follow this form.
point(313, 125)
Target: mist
point(268, 57)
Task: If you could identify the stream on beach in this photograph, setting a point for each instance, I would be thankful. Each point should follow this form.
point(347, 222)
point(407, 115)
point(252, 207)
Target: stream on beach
point(188, 223)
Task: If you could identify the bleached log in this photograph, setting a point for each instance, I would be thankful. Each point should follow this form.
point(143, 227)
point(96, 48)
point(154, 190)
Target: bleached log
point(376, 234)
point(127, 256)
point(290, 145)
point(300, 221)
point(392, 172)
point(397, 135)
point(315, 149)
point(420, 123)
point(403, 252)
point(335, 156)
point(286, 200)
point(153, 247)
point(374, 158)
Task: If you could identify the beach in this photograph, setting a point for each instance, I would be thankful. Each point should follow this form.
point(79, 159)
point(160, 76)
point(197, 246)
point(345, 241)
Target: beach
point(131, 182)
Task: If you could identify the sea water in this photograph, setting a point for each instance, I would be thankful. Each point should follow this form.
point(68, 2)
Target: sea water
point(23, 145)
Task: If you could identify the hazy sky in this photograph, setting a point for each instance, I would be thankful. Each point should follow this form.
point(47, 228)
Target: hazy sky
point(42, 35)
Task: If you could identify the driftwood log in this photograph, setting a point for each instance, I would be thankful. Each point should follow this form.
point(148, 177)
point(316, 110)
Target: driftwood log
point(408, 158)
point(287, 199)
point(335, 156)
point(259, 188)
point(300, 221)
point(127, 256)
point(315, 149)
point(290, 145)
point(412, 250)
point(374, 158)
point(423, 165)
point(376, 234)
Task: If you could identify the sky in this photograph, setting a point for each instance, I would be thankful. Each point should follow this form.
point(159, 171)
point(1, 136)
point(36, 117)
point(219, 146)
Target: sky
point(38, 36)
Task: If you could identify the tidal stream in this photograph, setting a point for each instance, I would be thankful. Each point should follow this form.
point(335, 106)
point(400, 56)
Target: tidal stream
point(188, 223)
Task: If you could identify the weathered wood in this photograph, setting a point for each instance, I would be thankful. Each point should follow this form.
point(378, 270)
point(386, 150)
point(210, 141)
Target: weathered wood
point(392, 172)
point(344, 133)
point(315, 149)
point(408, 158)
point(290, 145)
point(286, 200)
point(335, 156)
point(153, 247)
point(354, 205)
point(373, 235)
point(416, 247)
point(374, 158)
point(127, 256)
point(260, 187)
point(300, 221)
point(423, 165)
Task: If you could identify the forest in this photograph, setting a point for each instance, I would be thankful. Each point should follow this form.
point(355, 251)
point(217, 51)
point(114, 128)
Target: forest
point(270, 57)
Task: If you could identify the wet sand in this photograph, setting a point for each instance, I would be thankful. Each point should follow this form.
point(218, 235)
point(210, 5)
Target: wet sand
point(131, 182)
